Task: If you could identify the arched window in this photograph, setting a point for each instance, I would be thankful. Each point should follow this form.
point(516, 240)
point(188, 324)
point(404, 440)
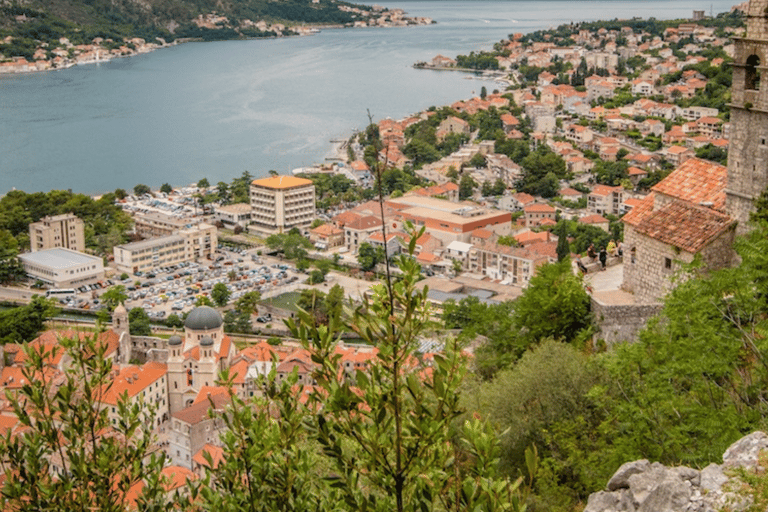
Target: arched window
point(752, 74)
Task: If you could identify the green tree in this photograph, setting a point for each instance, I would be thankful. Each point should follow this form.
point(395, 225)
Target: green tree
point(139, 322)
point(202, 300)
point(256, 477)
point(248, 302)
point(113, 296)
point(369, 256)
point(220, 294)
point(174, 321)
point(388, 434)
point(141, 189)
point(166, 188)
point(467, 186)
point(120, 193)
point(100, 460)
point(563, 247)
point(203, 183)
point(24, 323)
point(483, 92)
point(554, 305)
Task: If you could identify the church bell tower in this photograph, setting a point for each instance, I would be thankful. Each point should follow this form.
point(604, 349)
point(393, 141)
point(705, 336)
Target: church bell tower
point(748, 146)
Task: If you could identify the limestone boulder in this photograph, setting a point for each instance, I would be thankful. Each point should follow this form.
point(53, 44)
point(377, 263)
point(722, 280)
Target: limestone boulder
point(620, 479)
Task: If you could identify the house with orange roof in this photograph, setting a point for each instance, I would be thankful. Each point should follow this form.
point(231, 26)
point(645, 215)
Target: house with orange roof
point(326, 236)
point(529, 237)
point(358, 231)
point(537, 212)
point(514, 265)
point(392, 245)
point(630, 203)
point(139, 385)
point(709, 126)
point(516, 202)
point(595, 220)
point(299, 361)
point(49, 344)
point(545, 249)
point(676, 155)
point(605, 200)
point(193, 427)
point(680, 219)
point(675, 135)
point(200, 462)
point(643, 161)
point(636, 174)
point(579, 135)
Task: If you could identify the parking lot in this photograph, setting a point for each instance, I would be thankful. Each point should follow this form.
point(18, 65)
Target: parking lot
point(176, 289)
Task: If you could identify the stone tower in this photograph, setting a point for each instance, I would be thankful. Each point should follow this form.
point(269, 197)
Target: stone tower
point(121, 327)
point(748, 148)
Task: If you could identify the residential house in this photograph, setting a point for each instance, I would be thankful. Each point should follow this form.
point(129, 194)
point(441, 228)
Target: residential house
point(605, 200)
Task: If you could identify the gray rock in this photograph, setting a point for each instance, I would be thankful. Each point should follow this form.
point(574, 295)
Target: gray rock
point(620, 479)
point(618, 501)
point(642, 484)
point(671, 495)
point(712, 478)
point(743, 453)
point(687, 474)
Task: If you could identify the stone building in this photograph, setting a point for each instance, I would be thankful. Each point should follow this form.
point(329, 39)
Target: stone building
point(748, 150)
point(681, 218)
point(196, 360)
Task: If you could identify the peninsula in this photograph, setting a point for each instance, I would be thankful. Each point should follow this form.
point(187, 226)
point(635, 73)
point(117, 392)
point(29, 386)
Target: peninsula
point(39, 36)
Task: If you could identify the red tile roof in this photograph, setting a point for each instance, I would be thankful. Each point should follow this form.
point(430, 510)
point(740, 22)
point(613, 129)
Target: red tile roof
point(132, 380)
point(687, 226)
point(539, 208)
point(593, 219)
point(696, 181)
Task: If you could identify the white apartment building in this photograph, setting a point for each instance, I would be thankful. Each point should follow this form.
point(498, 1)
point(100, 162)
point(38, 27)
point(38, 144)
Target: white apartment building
point(59, 231)
point(280, 203)
point(189, 244)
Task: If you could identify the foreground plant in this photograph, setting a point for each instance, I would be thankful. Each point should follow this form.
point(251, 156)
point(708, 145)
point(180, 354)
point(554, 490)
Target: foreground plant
point(67, 455)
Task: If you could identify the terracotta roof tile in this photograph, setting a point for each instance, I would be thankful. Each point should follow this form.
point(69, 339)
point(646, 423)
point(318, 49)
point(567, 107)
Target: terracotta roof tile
point(685, 225)
point(538, 208)
point(696, 181)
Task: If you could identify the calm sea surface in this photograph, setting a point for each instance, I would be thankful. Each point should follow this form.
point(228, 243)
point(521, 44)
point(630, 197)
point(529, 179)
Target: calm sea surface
point(217, 109)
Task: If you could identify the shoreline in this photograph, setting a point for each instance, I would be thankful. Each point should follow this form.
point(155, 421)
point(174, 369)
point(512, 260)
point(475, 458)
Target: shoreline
point(18, 65)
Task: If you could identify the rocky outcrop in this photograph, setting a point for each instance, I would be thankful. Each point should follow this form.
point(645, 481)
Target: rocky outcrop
point(642, 486)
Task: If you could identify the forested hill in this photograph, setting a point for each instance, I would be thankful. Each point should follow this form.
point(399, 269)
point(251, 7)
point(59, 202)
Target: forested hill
point(25, 25)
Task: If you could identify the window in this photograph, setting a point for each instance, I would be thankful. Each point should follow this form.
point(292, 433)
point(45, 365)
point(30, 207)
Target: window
point(668, 263)
point(752, 73)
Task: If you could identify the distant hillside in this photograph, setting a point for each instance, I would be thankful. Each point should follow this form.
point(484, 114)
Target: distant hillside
point(28, 25)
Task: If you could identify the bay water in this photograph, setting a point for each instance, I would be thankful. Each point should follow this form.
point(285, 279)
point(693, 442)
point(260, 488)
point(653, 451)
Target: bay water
point(217, 109)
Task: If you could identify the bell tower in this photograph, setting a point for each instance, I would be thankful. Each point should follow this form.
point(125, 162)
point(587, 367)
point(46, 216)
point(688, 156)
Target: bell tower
point(748, 146)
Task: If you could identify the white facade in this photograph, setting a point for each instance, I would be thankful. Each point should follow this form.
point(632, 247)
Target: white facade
point(280, 203)
point(187, 245)
point(63, 268)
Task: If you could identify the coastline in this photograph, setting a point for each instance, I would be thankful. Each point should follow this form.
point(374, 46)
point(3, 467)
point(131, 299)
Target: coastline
point(95, 53)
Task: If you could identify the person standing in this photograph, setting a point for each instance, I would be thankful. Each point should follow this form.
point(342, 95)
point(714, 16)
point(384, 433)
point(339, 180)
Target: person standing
point(603, 257)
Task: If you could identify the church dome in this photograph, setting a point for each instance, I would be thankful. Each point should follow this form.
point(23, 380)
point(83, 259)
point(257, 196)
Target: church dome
point(203, 318)
point(174, 340)
point(207, 341)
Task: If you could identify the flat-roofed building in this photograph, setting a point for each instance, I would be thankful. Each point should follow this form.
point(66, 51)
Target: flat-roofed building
point(58, 231)
point(231, 215)
point(187, 245)
point(63, 268)
point(154, 224)
point(446, 220)
point(280, 203)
